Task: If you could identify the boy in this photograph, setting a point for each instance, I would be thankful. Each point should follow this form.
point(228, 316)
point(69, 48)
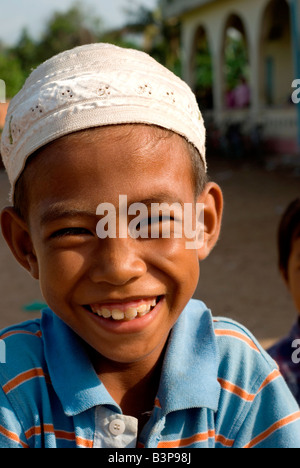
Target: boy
point(122, 357)
point(286, 351)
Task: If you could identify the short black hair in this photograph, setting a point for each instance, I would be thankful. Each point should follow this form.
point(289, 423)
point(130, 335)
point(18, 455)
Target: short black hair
point(289, 230)
point(200, 178)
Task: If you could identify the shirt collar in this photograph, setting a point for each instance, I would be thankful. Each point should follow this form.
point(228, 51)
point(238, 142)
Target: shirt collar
point(190, 370)
point(189, 373)
point(71, 372)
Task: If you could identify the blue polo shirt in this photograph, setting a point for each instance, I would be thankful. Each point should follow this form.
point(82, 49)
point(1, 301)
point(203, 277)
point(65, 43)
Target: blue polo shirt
point(218, 388)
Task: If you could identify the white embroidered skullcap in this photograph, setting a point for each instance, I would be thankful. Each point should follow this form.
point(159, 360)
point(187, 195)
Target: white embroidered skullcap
point(96, 85)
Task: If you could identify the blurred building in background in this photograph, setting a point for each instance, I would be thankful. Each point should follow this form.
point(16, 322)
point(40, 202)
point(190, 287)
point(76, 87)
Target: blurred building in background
point(239, 56)
point(251, 49)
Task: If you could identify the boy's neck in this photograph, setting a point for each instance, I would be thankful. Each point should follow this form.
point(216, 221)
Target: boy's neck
point(133, 386)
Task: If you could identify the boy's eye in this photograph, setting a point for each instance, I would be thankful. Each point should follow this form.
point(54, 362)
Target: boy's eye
point(75, 231)
point(154, 220)
point(152, 227)
point(159, 219)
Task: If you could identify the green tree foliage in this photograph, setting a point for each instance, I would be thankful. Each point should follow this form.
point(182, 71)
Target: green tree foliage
point(236, 60)
point(161, 37)
point(203, 71)
point(25, 52)
point(63, 31)
point(67, 30)
point(11, 72)
point(236, 65)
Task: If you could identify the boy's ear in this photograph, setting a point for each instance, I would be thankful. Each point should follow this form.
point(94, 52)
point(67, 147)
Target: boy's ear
point(16, 233)
point(212, 200)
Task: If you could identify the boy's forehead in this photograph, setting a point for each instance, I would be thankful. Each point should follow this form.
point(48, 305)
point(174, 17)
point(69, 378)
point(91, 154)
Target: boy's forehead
point(115, 148)
point(96, 85)
point(136, 142)
point(142, 134)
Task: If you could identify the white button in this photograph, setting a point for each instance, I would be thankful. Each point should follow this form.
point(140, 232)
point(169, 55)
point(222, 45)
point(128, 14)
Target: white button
point(117, 427)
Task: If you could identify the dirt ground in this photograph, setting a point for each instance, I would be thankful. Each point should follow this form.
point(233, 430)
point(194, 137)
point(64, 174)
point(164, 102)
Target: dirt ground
point(240, 278)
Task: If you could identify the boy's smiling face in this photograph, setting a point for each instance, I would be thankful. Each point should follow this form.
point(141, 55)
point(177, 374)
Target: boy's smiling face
point(81, 274)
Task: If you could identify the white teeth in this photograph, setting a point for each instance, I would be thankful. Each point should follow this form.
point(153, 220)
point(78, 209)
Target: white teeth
point(129, 314)
point(117, 314)
point(106, 313)
point(143, 309)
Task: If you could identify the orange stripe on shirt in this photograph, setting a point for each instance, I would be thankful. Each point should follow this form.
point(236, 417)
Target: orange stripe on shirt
point(222, 440)
point(157, 403)
point(238, 335)
point(80, 441)
point(84, 442)
point(271, 377)
point(12, 436)
point(281, 423)
point(33, 431)
point(20, 332)
point(70, 436)
point(22, 378)
point(230, 387)
point(201, 437)
point(37, 430)
point(59, 434)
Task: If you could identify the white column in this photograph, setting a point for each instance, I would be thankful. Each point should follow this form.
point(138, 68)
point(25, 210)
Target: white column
point(218, 81)
point(187, 40)
point(254, 59)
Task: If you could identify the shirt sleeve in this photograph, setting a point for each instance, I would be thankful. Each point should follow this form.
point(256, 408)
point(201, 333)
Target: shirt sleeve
point(11, 432)
point(273, 420)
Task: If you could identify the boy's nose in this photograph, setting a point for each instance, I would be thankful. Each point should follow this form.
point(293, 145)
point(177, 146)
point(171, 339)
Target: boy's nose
point(117, 263)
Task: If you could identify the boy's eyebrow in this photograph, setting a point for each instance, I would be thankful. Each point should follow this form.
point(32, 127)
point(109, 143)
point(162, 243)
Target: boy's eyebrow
point(56, 212)
point(161, 198)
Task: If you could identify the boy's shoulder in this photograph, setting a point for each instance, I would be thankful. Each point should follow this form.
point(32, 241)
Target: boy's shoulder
point(238, 346)
point(231, 331)
point(235, 344)
point(22, 351)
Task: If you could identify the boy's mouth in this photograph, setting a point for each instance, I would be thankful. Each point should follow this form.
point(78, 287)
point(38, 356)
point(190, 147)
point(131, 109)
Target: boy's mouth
point(126, 311)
